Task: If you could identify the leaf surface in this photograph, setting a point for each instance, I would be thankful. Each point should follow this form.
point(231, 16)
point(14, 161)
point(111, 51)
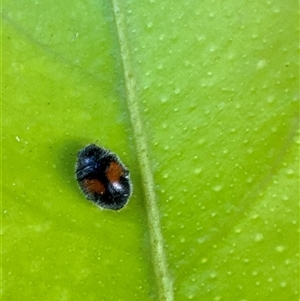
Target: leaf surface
point(216, 87)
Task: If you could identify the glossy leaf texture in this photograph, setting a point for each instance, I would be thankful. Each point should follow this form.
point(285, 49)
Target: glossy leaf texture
point(217, 86)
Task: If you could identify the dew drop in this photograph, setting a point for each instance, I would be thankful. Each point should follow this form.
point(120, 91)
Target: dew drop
point(258, 237)
point(249, 180)
point(218, 188)
point(201, 38)
point(202, 239)
point(176, 91)
point(283, 284)
point(297, 139)
point(280, 249)
point(287, 261)
point(213, 275)
point(161, 37)
point(290, 172)
point(270, 99)
point(201, 141)
point(163, 99)
point(250, 150)
point(197, 171)
point(261, 64)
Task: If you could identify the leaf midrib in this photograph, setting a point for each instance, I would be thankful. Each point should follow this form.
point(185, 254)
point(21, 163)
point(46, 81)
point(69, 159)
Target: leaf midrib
point(164, 283)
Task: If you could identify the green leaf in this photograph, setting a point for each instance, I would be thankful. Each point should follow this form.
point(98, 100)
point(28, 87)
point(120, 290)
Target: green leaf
point(200, 101)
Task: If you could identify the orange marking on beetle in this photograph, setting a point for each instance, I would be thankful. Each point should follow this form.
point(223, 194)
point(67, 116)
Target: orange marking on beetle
point(94, 186)
point(114, 172)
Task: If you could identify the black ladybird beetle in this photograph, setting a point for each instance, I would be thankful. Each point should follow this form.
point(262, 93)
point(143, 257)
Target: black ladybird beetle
point(102, 177)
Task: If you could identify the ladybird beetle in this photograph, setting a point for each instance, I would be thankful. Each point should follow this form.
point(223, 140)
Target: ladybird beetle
point(102, 177)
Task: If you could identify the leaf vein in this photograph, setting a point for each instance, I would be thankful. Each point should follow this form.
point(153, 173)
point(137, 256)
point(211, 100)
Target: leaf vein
point(165, 286)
